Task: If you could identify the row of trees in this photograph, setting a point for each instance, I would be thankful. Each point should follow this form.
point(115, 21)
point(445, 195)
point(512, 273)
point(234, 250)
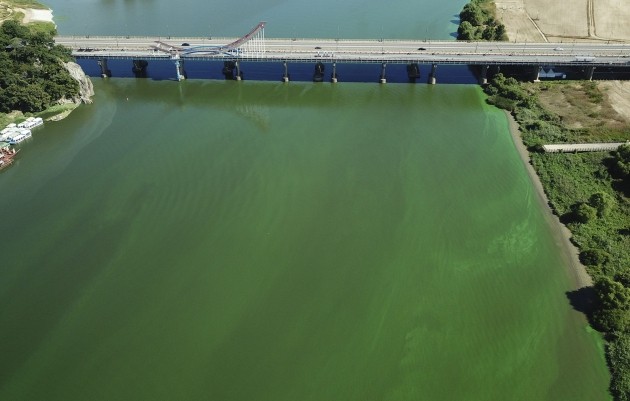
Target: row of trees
point(477, 22)
point(32, 76)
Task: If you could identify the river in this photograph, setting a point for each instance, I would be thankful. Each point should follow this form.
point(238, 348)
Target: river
point(221, 240)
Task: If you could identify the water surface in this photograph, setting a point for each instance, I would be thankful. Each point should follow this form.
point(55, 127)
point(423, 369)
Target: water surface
point(212, 240)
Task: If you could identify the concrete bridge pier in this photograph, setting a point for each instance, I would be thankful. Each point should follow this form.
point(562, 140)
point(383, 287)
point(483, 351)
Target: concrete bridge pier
point(483, 77)
point(589, 73)
point(179, 67)
point(285, 75)
point(432, 77)
point(536, 73)
point(413, 72)
point(239, 74)
point(139, 68)
point(105, 72)
point(333, 78)
point(383, 78)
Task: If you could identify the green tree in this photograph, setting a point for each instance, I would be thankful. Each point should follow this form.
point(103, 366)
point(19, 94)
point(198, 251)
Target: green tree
point(621, 158)
point(466, 31)
point(41, 39)
point(594, 257)
point(613, 305)
point(501, 33)
point(612, 294)
point(13, 29)
point(602, 202)
point(29, 98)
point(618, 352)
point(583, 212)
point(623, 278)
point(473, 14)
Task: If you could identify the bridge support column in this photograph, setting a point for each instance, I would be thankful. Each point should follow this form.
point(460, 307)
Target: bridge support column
point(483, 77)
point(536, 73)
point(589, 73)
point(383, 79)
point(432, 77)
point(285, 75)
point(333, 79)
point(139, 68)
point(105, 72)
point(179, 68)
point(238, 76)
point(413, 72)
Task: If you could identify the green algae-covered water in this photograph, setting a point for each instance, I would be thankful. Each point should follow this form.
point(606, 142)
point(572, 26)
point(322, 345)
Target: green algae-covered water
point(258, 241)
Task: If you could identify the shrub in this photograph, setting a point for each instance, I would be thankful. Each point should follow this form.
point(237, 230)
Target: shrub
point(602, 202)
point(621, 160)
point(618, 352)
point(594, 257)
point(583, 213)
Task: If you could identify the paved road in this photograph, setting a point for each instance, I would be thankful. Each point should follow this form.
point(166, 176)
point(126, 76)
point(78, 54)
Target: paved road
point(390, 51)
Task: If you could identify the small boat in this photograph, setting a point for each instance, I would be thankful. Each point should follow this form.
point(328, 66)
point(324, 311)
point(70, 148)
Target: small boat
point(6, 157)
point(20, 136)
point(31, 122)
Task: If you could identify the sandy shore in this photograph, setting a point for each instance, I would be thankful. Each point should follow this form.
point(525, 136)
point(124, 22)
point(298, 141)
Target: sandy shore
point(33, 15)
point(562, 235)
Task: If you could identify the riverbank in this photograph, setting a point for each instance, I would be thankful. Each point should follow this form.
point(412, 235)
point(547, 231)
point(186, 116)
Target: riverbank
point(562, 235)
point(588, 196)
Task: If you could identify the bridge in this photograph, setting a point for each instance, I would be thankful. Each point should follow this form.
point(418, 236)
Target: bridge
point(255, 47)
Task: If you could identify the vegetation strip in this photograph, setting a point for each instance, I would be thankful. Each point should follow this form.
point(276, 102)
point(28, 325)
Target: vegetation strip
point(590, 192)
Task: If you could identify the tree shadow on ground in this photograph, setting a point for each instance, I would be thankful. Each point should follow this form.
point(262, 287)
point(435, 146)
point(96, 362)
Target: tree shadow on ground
point(583, 300)
point(622, 186)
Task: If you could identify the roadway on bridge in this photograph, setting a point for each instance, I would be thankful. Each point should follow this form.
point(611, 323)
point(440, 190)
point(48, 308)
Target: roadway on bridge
point(390, 51)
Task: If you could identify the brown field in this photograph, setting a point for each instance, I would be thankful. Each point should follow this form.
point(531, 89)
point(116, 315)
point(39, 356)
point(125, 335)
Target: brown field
point(618, 95)
point(565, 21)
point(570, 100)
point(573, 21)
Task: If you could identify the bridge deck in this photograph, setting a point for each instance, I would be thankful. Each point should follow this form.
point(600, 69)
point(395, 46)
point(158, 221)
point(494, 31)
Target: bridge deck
point(355, 51)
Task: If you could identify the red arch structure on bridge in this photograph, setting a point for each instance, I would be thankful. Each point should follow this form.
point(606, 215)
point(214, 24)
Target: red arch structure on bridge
point(253, 34)
point(239, 42)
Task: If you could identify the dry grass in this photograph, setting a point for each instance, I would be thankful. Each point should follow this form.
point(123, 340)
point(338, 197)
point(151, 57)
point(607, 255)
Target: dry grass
point(7, 118)
point(24, 4)
point(6, 12)
point(580, 104)
point(14, 9)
